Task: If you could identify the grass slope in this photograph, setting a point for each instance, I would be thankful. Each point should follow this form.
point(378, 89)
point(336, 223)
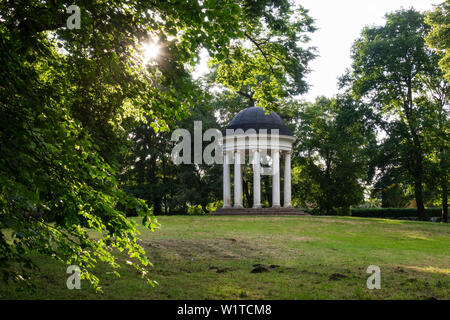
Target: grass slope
point(205, 257)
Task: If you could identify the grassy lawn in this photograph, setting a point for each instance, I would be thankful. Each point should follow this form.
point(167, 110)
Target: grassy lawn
point(310, 257)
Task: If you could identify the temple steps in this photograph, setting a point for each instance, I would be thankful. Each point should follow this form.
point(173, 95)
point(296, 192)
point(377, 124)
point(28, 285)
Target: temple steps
point(259, 212)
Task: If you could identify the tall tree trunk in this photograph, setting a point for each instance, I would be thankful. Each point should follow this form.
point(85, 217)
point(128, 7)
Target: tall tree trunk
point(165, 204)
point(165, 184)
point(157, 208)
point(444, 199)
point(418, 165)
point(444, 183)
point(418, 181)
point(247, 194)
point(329, 197)
point(418, 193)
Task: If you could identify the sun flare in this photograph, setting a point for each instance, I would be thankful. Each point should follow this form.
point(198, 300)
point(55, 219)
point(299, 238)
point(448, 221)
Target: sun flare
point(151, 51)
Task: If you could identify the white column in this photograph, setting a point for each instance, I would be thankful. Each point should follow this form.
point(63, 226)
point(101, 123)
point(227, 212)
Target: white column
point(287, 180)
point(226, 182)
point(237, 181)
point(275, 178)
point(256, 180)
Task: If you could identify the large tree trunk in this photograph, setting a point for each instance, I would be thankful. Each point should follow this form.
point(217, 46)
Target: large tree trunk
point(157, 207)
point(418, 166)
point(418, 192)
point(164, 183)
point(444, 183)
point(247, 194)
point(418, 185)
point(165, 204)
point(328, 200)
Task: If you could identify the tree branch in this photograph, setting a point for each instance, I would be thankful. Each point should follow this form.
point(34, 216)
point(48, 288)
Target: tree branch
point(260, 49)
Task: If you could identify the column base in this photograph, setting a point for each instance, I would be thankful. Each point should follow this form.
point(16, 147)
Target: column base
point(238, 206)
point(226, 207)
point(258, 206)
point(276, 206)
point(287, 205)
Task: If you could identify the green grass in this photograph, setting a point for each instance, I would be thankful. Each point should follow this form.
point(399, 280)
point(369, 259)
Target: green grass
point(205, 257)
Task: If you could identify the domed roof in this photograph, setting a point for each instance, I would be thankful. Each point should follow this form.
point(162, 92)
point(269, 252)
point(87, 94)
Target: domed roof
point(256, 118)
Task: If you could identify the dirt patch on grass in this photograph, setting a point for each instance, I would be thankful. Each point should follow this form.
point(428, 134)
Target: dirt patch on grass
point(344, 221)
point(337, 276)
point(219, 269)
point(234, 249)
point(259, 269)
point(288, 237)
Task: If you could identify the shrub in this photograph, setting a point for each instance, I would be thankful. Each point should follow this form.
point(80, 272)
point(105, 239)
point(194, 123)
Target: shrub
point(195, 210)
point(393, 212)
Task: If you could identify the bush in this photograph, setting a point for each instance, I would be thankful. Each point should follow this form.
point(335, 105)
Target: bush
point(343, 212)
point(195, 210)
point(393, 212)
point(333, 212)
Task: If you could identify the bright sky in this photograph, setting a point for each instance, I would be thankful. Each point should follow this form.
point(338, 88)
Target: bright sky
point(339, 24)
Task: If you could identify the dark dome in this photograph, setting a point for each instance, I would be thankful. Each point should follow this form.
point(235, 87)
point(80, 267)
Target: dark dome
point(256, 118)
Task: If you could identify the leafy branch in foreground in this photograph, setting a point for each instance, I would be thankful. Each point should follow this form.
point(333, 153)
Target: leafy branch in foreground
point(67, 99)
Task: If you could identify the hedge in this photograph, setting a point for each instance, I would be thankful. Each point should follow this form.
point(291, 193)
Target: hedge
point(394, 212)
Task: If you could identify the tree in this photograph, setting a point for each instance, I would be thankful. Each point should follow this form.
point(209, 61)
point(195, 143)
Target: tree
point(393, 196)
point(435, 98)
point(270, 62)
point(439, 35)
point(149, 173)
point(335, 138)
point(198, 185)
point(66, 96)
point(390, 64)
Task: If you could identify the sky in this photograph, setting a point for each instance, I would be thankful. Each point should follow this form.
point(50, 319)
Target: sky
point(339, 24)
